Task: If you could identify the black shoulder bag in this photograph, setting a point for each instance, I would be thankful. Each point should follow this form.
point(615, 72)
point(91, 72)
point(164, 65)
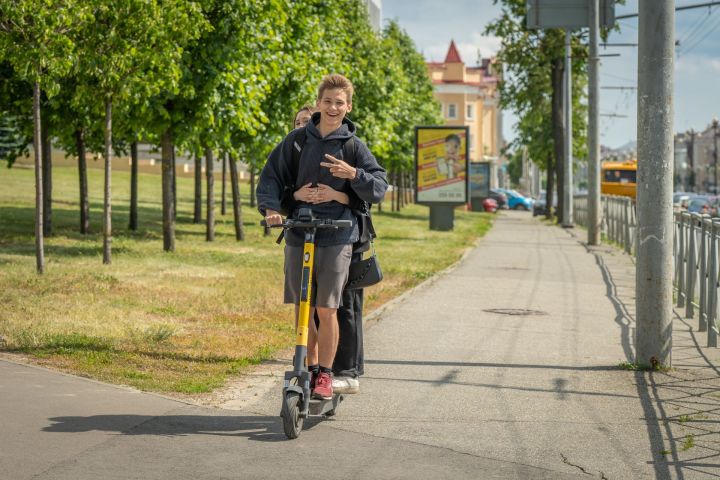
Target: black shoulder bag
point(366, 272)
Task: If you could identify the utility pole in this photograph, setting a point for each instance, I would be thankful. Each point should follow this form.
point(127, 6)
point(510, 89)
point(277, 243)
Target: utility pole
point(654, 268)
point(691, 157)
point(567, 220)
point(594, 218)
point(715, 153)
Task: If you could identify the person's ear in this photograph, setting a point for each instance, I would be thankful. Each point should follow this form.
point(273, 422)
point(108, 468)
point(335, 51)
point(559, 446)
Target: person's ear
point(349, 109)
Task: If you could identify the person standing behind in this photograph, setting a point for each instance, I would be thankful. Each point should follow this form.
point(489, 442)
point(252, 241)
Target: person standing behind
point(322, 165)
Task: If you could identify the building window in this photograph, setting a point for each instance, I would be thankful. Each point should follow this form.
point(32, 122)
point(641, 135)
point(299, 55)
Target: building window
point(470, 114)
point(442, 109)
point(452, 110)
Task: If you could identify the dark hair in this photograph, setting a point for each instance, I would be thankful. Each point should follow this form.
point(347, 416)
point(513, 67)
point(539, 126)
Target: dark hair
point(452, 137)
point(307, 107)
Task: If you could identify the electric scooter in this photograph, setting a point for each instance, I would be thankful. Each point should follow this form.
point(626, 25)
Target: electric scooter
point(297, 404)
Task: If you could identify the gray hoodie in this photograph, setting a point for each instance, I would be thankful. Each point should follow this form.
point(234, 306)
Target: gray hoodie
point(370, 183)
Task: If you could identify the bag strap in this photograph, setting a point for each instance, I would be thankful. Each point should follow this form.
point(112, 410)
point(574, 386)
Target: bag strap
point(350, 151)
point(297, 147)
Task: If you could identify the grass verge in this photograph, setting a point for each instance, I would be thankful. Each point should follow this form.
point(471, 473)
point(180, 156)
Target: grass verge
point(171, 322)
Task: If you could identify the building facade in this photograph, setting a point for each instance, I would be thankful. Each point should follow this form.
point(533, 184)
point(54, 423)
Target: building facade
point(469, 96)
point(696, 160)
point(375, 14)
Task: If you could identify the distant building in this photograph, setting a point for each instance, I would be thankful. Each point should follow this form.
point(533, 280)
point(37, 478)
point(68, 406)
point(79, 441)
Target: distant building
point(470, 96)
point(695, 160)
point(375, 13)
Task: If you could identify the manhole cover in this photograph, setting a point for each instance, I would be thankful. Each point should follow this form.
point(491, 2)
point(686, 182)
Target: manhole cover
point(515, 311)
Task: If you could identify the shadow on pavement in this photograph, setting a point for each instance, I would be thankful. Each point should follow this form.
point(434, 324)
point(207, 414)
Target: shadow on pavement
point(678, 405)
point(258, 428)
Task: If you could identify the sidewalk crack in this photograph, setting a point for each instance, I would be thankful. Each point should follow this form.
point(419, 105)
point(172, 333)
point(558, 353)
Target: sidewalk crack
point(567, 462)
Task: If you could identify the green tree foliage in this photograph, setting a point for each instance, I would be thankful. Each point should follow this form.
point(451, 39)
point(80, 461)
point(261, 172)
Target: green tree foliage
point(34, 40)
point(209, 76)
point(527, 87)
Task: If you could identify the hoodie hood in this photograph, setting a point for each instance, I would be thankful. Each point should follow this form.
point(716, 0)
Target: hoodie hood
point(344, 132)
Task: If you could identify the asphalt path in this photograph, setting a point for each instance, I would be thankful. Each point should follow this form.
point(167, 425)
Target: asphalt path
point(504, 367)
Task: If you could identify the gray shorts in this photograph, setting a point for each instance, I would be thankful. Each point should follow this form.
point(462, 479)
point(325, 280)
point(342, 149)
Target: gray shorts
point(332, 265)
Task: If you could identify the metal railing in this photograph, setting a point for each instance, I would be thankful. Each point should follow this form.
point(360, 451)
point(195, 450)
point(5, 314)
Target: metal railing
point(696, 255)
point(695, 250)
point(618, 219)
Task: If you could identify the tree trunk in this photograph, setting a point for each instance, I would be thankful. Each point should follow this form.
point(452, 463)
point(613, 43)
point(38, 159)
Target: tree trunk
point(223, 209)
point(174, 184)
point(237, 205)
point(396, 191)
point(197, 214)
point(549, 185)
point(134, 186)
point(402, 190)
point(408, 189)
point(37, 146)
point(107, 207)
point(210, 229)
point(252, 187)
point(393, 191)
point(558, 123)
point(47, 177)
point(166, 143)
point(82, 174)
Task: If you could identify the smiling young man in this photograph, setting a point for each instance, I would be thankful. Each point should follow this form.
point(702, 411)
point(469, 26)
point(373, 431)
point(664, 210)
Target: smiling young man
point(326, 181)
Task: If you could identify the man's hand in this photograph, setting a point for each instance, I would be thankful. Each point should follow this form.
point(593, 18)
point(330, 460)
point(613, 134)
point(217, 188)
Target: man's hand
point(338, 168)
point(272, 218)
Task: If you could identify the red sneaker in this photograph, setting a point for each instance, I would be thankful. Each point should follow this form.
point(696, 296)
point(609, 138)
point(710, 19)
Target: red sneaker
point(323, 387)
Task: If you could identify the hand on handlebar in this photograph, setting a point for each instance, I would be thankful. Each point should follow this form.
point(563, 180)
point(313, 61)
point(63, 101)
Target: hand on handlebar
point(272, 218)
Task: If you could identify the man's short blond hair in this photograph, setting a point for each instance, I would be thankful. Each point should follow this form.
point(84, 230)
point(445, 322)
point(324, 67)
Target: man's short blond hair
point(336, 81)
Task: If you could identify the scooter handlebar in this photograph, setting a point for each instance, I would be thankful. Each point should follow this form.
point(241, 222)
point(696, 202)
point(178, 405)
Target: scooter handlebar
point(317, 223)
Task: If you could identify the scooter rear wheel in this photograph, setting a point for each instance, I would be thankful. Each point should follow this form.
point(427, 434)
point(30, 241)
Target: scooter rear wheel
point(292, 422)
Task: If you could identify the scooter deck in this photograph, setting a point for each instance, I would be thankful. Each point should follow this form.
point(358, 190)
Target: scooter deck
point(319, 408)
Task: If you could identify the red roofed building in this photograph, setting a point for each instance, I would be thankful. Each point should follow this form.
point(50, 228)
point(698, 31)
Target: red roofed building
point(469, 96)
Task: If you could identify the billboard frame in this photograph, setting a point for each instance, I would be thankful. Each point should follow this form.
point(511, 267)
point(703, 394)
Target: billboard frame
point(467, 162)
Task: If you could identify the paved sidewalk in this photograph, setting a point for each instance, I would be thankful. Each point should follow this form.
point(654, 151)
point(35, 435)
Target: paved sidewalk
point(454, 388)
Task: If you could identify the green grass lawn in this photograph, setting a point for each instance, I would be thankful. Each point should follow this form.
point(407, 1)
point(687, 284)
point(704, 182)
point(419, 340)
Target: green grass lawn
point(171, 322)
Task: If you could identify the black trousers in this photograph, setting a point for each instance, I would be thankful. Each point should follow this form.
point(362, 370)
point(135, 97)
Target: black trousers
point(349, 356)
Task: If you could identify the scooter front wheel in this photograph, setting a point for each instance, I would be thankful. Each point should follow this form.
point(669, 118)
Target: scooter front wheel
point(292, 421)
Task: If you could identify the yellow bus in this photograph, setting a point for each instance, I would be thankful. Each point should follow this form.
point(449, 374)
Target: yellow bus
point(619, 178)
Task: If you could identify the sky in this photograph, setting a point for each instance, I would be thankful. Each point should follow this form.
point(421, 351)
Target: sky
point(432, 24)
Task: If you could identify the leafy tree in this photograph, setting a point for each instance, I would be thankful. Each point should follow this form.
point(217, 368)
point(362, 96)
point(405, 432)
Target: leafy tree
point(35, 40)
point(131, 49)
point(532, 87)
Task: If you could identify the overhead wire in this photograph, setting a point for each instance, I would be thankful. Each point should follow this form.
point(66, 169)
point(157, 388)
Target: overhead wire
point(696, 27)
point(698, 42)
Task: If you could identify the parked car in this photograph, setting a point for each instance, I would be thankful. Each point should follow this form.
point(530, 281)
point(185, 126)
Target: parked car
point(516, 201)
point(499, 197)
point(490, 205)
point(703, 204)
point(540, 204)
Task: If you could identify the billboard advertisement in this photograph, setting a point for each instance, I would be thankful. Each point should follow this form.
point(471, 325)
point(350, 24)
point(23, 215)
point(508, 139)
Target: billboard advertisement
point(479, 173)
point(441, 165)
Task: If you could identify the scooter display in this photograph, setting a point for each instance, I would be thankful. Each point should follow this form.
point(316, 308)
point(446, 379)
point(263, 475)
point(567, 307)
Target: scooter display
point(297, 403)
